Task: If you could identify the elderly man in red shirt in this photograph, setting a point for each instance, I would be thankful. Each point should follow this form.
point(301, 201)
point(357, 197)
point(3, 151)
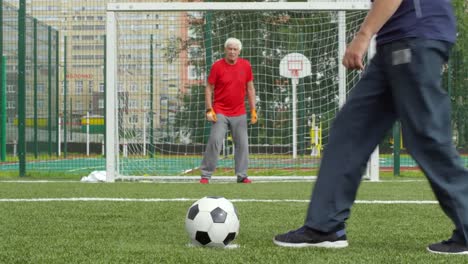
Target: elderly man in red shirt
point(230, 79)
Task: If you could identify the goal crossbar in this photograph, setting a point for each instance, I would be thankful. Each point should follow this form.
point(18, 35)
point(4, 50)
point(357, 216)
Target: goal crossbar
point(239, 6)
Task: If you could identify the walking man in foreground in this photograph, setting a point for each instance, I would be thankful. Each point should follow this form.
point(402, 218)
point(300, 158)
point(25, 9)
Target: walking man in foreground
point(402, 82)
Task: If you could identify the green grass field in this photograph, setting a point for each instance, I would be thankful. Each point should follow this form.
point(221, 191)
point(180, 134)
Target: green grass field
point(148, 227)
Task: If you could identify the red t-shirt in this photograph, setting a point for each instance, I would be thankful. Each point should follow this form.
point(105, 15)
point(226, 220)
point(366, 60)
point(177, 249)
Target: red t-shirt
point(230, 86)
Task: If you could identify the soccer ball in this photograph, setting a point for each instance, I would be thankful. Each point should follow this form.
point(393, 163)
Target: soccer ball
point(212, 222)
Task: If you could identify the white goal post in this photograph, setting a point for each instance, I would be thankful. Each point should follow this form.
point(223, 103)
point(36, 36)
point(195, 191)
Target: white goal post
point(137, 126)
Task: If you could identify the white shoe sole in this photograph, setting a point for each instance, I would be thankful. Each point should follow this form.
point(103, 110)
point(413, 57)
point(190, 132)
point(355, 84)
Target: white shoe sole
point(325, 244)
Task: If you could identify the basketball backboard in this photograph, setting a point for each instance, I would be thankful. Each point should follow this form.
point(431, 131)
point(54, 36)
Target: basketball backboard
point(295, 65)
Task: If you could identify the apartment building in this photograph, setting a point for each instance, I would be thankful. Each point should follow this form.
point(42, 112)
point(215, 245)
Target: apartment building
point(81, 24)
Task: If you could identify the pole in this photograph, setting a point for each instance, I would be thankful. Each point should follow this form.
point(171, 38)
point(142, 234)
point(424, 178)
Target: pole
point(3, 109)
point(49, 90)
point(144, 134)
point(295, 81)
point(105, 96)
point(341, 52)
point(111, 138)
point(59, 137)
point(208, 59)
point(373, 165)
point(57, 90)
point(3, 101)
point(35, 87)
point(65, 96)
point(22, 87)
point(71, 120)
point(87, 133)
point(396, 149)
point(151, 102)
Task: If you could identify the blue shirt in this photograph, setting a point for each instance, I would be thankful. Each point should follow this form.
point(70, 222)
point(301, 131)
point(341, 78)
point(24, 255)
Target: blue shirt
point(428, 19)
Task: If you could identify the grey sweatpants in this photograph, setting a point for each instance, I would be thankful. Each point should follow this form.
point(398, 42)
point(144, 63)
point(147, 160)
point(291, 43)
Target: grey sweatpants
point(238, 127)
point(403, 81)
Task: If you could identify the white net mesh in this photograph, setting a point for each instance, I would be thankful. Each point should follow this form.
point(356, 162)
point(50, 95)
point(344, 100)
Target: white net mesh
point(163, 62)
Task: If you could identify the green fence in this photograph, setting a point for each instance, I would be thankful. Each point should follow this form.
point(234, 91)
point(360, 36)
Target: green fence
point(53, 79)
point(30, 88)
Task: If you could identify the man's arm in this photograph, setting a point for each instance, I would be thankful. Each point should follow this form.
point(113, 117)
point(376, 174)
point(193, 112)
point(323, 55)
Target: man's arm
point(210, 113)
point(209, 96)
point(252, 100)
point(251, 95)
point(378, 15)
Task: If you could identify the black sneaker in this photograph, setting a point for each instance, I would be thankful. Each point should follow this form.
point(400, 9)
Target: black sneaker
point(448, 247)
point(307, 237)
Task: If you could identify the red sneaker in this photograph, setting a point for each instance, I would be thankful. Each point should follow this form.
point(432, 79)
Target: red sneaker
point(245, 180)
point(204, 181)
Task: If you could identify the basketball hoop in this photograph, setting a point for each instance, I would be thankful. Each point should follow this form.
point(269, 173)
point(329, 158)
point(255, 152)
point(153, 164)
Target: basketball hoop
point(295, 66)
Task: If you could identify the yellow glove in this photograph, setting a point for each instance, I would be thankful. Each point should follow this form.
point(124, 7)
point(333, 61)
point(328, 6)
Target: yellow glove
point(253, 116)
point(211, 115)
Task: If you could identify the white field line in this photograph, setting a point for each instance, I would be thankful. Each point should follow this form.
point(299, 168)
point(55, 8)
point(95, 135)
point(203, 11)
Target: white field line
point(98, 199)
point(195, 179)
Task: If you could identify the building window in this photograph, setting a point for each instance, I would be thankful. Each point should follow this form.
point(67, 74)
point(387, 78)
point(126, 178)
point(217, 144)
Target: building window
point(194, 73)
point(79, 106)
point(101, 103)
point(132, 104)
point(101, 87)
point(11, 105)
point(40, 88)
point(78, 87)
point(11, 88)
point(40, 104)
point(63, 86)
point(148, 87)
point(90, 86)
point(133, 119)
point(134, 87)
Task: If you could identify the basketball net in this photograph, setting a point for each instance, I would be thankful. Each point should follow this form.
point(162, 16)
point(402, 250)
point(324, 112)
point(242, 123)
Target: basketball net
point(295, 73)
point(295, 67)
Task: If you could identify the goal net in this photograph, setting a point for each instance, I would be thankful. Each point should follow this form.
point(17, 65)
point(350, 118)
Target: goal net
point(158, 59)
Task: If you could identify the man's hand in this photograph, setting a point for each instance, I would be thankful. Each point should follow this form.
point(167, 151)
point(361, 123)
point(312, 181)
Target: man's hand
point(355, 52)
point(211, 115)
point(380, 12)
point(253, 116)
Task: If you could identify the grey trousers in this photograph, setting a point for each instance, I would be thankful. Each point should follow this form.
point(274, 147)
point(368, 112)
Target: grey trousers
point(402, 81)
point(238, 127)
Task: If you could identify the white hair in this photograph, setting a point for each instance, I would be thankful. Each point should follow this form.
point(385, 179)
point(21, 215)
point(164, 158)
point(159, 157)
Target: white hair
point(234, 41)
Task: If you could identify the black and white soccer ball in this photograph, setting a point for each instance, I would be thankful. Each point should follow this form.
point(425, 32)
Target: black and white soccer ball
point(212, 222)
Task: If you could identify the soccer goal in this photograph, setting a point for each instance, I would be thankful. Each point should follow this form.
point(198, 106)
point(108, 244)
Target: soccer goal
point(158, 59)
